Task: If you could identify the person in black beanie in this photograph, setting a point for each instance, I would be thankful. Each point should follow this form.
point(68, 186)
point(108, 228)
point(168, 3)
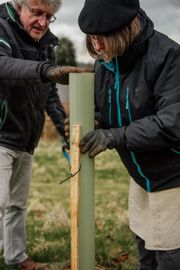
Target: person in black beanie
point(137, 96)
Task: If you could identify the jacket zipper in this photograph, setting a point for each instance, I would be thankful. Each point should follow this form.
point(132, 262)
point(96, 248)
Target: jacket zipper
point(133, 156)
point(110, 105)
point(117, 87)
point(34, 135)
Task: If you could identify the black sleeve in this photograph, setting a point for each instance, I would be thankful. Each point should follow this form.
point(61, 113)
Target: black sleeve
point(55, 110)
point(161, 130)
point(14, 69)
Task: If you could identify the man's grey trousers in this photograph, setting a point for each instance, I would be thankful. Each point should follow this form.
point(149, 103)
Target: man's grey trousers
point(15, 175)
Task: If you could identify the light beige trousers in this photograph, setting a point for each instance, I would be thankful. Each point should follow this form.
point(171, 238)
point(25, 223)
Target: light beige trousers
point(155, 217)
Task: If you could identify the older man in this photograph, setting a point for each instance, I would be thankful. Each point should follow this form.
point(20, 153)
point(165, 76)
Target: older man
point(27, 89)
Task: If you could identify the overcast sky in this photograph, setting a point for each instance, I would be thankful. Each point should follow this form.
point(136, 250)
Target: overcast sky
point(164, 13)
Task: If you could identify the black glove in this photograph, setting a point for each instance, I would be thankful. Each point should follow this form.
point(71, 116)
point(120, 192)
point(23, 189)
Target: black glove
point(96, 142)
point(65, 145)
point(67, 127)
point(60, 74)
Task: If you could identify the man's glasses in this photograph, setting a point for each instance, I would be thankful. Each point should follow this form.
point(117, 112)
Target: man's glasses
point(40, 14)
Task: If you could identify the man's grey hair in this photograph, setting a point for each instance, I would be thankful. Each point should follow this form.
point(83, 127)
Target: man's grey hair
point(55, 4)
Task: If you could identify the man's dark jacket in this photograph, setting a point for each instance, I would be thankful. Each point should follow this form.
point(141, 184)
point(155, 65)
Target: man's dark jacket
point(138, 96)
point(24, 98)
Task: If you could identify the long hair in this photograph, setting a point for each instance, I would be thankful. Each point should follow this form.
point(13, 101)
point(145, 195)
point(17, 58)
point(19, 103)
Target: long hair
point(55, 4)
point(115, 43)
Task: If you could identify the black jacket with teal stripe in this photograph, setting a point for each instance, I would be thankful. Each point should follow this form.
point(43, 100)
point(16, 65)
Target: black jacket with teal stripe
point(138, 97)
point(23, 96)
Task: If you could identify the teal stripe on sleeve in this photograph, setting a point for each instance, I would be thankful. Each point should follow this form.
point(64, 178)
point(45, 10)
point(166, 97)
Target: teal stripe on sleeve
point(5, 42)
point(175, 151)
point(3, 113)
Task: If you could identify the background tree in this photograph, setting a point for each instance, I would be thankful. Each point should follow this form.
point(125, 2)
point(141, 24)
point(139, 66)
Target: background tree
point(65, 52)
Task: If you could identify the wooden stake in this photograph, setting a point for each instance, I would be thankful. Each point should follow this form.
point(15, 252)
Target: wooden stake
point(75, 166)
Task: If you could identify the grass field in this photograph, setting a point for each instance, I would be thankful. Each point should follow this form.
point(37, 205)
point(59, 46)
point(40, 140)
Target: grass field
point(48, 223)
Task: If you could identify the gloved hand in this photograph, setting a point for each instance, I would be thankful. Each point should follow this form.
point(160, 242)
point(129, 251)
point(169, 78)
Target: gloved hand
point(65, 144)
point(96, 142)
point(67, 127)
point(60, 74)
point(65, 149)
point(96, 124)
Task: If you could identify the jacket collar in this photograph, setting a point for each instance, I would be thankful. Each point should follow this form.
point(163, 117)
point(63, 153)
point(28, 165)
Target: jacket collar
point(128, 60)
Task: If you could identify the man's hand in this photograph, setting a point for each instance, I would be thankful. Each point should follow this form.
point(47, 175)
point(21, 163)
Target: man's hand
point(67, 128)
point(60, 74)
point(96, 142)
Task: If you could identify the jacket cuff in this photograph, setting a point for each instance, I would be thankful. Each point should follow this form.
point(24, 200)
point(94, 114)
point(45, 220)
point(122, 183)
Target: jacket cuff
point(43, 70)
point(119, 136)
point(60, 129)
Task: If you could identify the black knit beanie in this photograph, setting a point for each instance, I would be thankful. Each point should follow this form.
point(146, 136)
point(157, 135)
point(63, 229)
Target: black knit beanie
point(105, 16)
